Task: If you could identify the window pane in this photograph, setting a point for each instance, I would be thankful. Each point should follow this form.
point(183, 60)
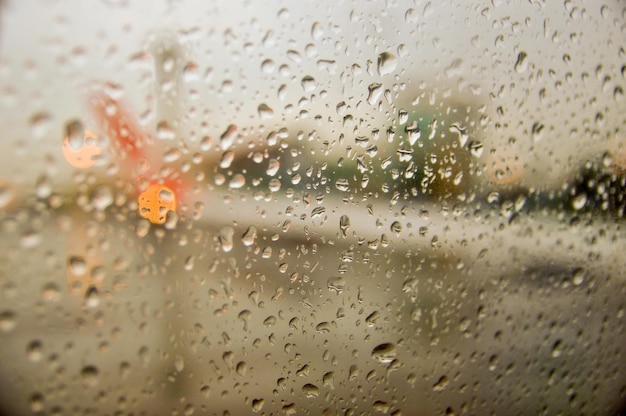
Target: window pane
point(400, 207)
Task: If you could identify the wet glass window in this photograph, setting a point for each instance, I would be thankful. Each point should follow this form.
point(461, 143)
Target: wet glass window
point(323, 208)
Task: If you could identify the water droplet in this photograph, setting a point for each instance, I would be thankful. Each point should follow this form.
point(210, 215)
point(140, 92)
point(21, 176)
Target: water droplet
point(557, 348)
point(396, 227)
point(101, 197)
point(372, 319)
point(89, 375)
point(387, 63)
point(75, 133)
point(7, 194)
point(228, 137)
point(413, 131)
point(537, 131)
point(375, 90)
point(336, 284)
point(51, 292)
point(33, 351)
point(7, 321)
point(342, 184)
point(441, 384)
point(172, 155)
point(92, 297)
point(265, 111)
point(40, 124)
point(77, 265)
point(227, 159)
point(179, 363)
point(384, 353)
point(237, 181)
point(578, 276)
point(579, 201)
point(37, 403)
point(476, 148)
point(272, 167)
point(164, 131)
point(241, 368)
point(311, 391)
point(318, 212)
point(43, 187)
point(344, 225)
point(249, 236)
point(225, 237)
point(308, 83)
point(521, 64)
point(461, 131)
point(257, 405)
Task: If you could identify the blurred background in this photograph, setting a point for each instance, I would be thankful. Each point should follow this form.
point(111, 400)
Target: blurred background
point(395, 207)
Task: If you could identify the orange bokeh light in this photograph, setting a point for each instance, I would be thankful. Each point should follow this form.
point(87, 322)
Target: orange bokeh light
point(84, 157)
point(155, 202)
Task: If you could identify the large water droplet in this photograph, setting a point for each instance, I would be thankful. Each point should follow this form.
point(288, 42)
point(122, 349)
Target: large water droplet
point(521, 64)
point(77, 265)
point(384, 353)
point(311, 391)
point(101, 197)
point(265, 111)
point(225, 237)
point(579, 201)
point(89, 374)
point(387, 63)
point(228, 137)
point(375, 91)
point(336, 284)
point(249, 236)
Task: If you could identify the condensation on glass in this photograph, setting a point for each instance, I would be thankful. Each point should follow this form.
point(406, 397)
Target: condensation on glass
point(329, 207)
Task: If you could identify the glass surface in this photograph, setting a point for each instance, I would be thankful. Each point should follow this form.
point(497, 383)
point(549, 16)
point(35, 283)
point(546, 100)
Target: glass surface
point(323, 208)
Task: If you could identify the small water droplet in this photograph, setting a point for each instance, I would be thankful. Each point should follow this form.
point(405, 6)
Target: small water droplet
point(557, 348)
point(578, 276)
point(179, 363)
point(40, 124)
